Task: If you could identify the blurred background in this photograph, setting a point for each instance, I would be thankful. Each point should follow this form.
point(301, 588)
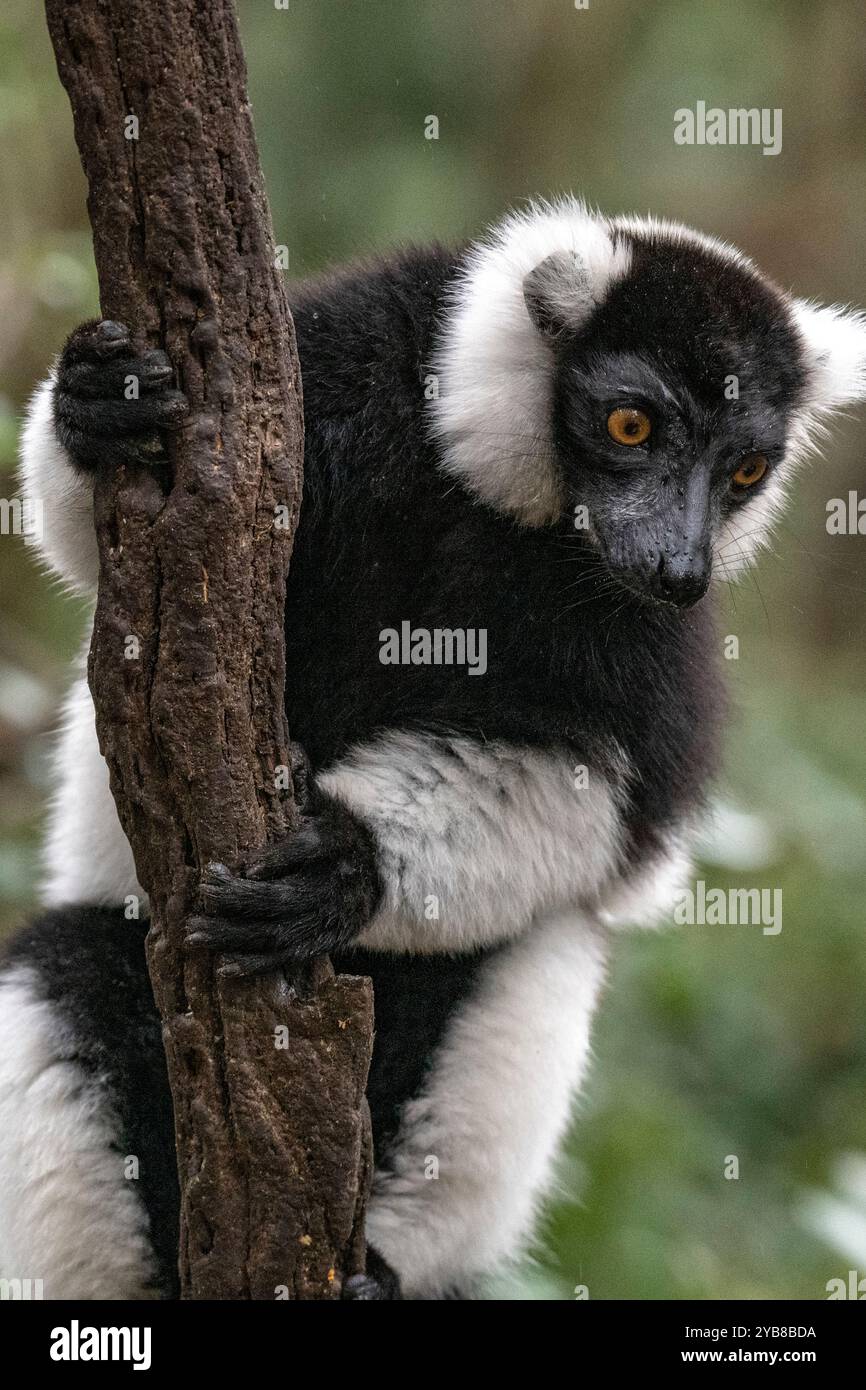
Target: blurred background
point(714, 1042)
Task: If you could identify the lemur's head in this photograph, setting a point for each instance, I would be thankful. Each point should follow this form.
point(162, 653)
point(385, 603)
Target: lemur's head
point(641, 378)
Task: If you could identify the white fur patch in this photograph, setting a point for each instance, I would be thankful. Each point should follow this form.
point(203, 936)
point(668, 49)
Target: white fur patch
point(475, 840)
point(68, 540)
point(492, 1113)
point(835, 346)
point(647, 897)
point(68, 1216)
point(493, 412)
point(87, 856)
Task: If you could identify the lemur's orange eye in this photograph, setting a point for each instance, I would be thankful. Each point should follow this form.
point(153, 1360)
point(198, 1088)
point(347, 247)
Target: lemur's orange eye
point(628, 426)
point(751, 470)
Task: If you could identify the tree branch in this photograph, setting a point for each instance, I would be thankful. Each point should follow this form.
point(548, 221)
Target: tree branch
point(187, 658)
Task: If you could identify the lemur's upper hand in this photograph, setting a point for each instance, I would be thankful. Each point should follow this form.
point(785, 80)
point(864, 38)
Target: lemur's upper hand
point(308, 895)
point(100, 421)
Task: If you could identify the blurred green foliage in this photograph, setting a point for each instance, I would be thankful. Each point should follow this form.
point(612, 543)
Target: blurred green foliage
point(714, 1041)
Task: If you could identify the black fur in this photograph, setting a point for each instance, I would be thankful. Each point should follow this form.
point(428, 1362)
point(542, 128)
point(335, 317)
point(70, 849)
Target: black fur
point(414, 997)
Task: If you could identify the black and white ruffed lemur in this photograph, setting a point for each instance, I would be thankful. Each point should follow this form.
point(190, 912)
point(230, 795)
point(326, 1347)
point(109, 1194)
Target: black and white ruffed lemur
point(558, 435)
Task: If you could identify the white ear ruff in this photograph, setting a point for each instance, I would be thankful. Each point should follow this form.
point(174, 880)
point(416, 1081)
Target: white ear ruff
point(494, 368)
point(834, 340)
point(834, 345)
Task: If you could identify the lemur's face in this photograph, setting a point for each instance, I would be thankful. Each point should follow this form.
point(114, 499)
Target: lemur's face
point(641, 383)
point(658, 473)
point(671, 412)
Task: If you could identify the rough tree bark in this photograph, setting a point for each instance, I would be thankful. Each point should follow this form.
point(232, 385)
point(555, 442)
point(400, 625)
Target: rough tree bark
point(187, 658)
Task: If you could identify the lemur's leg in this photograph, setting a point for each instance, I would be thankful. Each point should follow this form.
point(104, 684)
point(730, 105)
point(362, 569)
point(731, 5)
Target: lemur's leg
point(88, 1188)
point(475, 1064)
point(456, 1197)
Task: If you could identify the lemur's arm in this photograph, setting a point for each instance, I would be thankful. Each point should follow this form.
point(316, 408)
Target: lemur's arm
point(422, 843)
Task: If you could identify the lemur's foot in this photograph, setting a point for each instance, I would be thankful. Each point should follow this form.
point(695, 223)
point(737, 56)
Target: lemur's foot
point(111, 401)
point(306, 896)
point(378, 1284)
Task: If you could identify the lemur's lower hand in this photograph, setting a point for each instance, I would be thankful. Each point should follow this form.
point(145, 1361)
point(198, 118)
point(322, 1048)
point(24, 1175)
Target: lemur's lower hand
point(309, 895)
point(111, 402)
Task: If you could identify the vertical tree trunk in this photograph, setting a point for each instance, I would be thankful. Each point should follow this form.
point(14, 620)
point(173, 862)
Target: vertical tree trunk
point(187, 658)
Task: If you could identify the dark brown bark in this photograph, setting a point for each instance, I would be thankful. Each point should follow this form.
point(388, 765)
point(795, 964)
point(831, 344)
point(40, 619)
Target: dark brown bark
point(273, 1143)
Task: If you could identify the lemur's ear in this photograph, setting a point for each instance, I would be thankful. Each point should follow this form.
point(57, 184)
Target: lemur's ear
point(835, 344)
point(558, 293)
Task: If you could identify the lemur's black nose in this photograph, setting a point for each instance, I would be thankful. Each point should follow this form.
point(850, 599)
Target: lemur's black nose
point(683, 576)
